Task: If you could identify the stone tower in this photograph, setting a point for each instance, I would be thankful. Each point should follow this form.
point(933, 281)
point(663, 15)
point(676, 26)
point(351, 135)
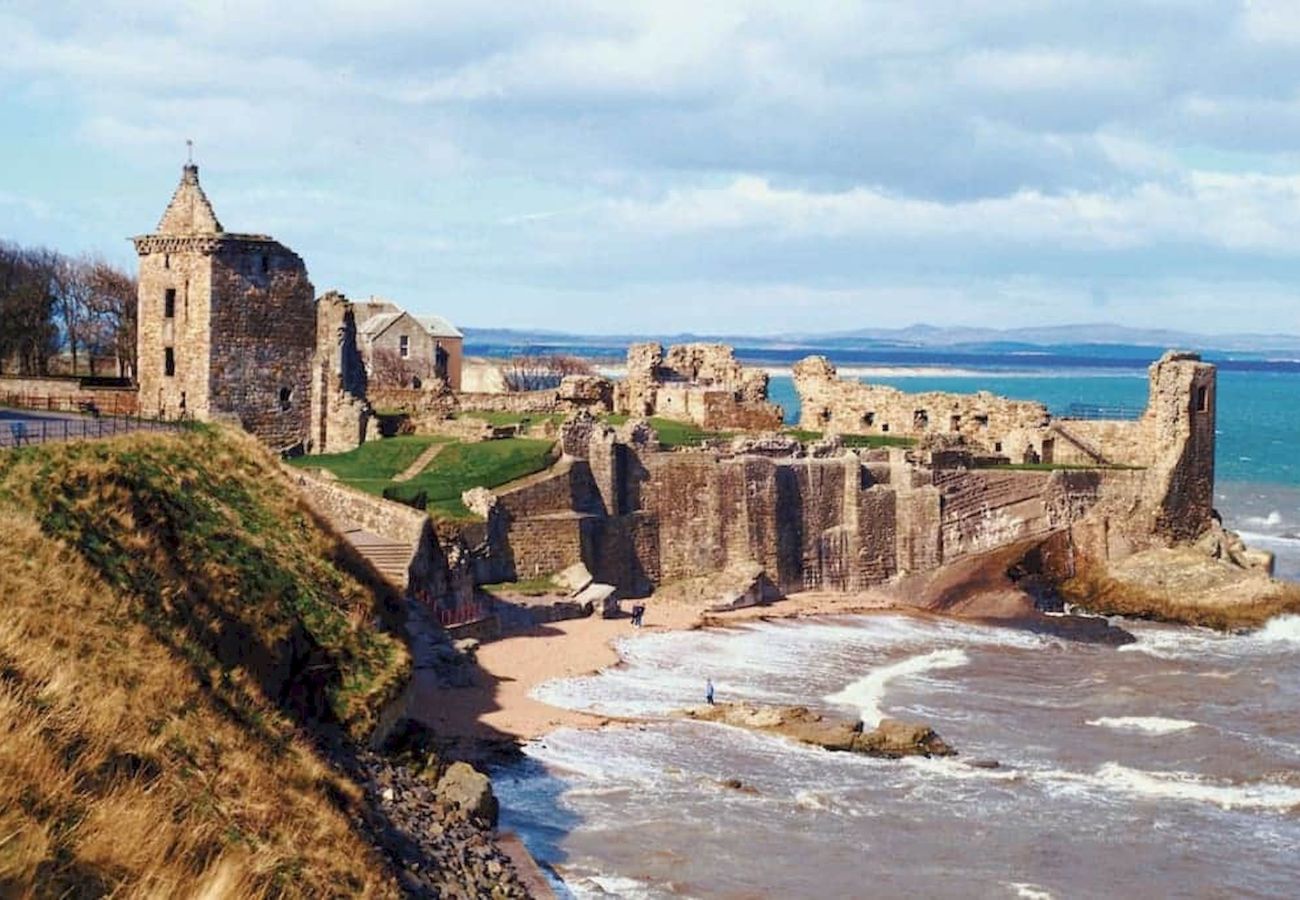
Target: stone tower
point(226, 324)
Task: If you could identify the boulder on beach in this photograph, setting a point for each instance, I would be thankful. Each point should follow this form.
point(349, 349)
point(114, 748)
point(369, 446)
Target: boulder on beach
point(890, 739)
point(470, 791)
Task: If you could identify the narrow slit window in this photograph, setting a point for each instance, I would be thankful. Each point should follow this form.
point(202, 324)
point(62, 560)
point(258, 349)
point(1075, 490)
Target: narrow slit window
point(266, 264)
point(404, 346)
point(169, 304)
point(286, 398)
point(169, 361)
point(1202, 399)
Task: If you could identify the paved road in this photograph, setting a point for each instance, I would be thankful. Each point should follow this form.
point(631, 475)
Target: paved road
point(20, 427)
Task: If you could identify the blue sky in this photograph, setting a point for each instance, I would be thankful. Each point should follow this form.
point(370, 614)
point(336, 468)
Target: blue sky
point(755, 167)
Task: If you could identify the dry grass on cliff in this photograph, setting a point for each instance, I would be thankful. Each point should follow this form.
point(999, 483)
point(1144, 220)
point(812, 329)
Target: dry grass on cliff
point(144, 750)
point(1186, 587)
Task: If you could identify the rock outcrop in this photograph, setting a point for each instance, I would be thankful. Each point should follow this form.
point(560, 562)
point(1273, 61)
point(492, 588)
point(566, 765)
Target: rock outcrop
point(470, 791)
point(890, 739)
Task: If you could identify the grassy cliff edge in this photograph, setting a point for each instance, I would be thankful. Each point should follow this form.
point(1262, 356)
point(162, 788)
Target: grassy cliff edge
point(174, 624)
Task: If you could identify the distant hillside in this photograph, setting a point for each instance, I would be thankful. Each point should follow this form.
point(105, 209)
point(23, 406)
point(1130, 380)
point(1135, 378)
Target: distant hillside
point(174, 622)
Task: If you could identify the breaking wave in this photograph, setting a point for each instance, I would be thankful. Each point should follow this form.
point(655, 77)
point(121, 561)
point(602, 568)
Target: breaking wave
point(866, 694)
point(1188, 787)
point(1157, 725)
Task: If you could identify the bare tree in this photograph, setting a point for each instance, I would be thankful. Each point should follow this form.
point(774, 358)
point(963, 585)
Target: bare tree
point(112, 314)
point(538, 372)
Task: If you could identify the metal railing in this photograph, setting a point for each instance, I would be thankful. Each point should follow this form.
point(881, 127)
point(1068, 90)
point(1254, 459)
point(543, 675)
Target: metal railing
point(92, 421)
point(1122, 412)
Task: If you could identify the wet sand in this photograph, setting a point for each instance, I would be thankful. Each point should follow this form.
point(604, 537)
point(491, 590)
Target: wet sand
point(498, 704)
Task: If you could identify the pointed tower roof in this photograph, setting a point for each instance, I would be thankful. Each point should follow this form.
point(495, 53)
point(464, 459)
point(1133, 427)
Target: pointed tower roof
point(189, 211)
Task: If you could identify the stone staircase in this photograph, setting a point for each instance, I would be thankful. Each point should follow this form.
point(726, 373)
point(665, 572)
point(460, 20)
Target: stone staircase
point(1086, 446)
point(391, 558)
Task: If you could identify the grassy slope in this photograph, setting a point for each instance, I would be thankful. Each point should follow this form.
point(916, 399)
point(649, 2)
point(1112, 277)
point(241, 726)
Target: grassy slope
point(371, 466)
point(172, 618)
point(456, 469)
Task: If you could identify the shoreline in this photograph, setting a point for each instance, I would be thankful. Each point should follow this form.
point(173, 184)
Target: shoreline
point(497, 705)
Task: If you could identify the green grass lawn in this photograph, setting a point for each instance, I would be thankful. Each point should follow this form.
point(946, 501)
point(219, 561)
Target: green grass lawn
point(528, 587)
point(371, 466)
point(459, 467)
point(673, 433)
point(463, 466)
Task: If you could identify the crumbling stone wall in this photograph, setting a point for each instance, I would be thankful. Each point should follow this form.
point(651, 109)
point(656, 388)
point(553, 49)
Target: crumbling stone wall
point(700, 383)
point(341, 414)
point(987, 421)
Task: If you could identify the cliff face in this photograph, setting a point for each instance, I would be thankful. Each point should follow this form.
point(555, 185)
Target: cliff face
point(174, 623)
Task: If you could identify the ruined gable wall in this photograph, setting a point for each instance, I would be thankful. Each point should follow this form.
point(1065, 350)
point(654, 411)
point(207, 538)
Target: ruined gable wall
point(263, 340)
point(185, 266)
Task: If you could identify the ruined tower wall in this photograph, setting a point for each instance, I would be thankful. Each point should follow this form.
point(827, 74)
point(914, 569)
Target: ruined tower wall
point(340, 414)
point(263, 340)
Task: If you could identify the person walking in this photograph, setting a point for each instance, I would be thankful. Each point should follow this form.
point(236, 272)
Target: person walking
point(708, 691)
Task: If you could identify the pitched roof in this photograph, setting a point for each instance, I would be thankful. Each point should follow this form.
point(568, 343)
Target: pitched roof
point(189, 211)
point(377, 324)
point(437, 326)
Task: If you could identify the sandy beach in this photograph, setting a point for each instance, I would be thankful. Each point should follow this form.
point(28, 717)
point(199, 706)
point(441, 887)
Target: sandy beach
point(498, 704)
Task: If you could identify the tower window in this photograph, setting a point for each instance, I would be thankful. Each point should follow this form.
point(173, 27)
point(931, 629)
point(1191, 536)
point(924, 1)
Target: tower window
point(169, 303)
point(404, 346)
point(167, 260)
point(286, 397)
point(1202, 399)
point(169, 361)
point(266, 263)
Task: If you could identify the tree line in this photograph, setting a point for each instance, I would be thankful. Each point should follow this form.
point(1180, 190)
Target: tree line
point(64, 315)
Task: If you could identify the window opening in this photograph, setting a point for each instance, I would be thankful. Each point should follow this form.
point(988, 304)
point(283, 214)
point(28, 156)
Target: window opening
point(169, 361)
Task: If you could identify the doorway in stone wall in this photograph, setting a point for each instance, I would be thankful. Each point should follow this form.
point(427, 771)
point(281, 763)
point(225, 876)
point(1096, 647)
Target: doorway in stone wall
point(1049, 450)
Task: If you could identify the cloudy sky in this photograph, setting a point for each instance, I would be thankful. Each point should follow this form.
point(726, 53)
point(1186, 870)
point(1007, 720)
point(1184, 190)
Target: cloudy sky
point(718, 166)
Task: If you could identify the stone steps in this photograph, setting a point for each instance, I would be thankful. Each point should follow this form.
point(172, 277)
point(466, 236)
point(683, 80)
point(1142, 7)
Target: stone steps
point(390, 558)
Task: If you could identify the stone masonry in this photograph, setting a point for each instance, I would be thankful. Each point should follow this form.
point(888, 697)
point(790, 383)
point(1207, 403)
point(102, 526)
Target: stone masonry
point(700, 383)
point(228, 330)
point(638, 517)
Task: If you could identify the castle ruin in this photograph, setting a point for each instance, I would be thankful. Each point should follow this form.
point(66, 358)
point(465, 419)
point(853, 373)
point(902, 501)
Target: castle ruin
point(833, 518)
point(229, 328)
point(699, 383)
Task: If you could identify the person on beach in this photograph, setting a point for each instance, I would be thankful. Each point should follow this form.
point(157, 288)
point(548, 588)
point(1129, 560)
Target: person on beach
point(638, 611)
point(708, 691)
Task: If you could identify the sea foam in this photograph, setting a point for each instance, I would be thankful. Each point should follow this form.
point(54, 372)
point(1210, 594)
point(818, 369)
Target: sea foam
point(867, 693)
point(1157, 725)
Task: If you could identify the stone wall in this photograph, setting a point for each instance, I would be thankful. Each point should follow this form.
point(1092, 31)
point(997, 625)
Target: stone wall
point(992, 423)
point(700, 383)
point(67, 394)
point(263, 340)
point(340, 413)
